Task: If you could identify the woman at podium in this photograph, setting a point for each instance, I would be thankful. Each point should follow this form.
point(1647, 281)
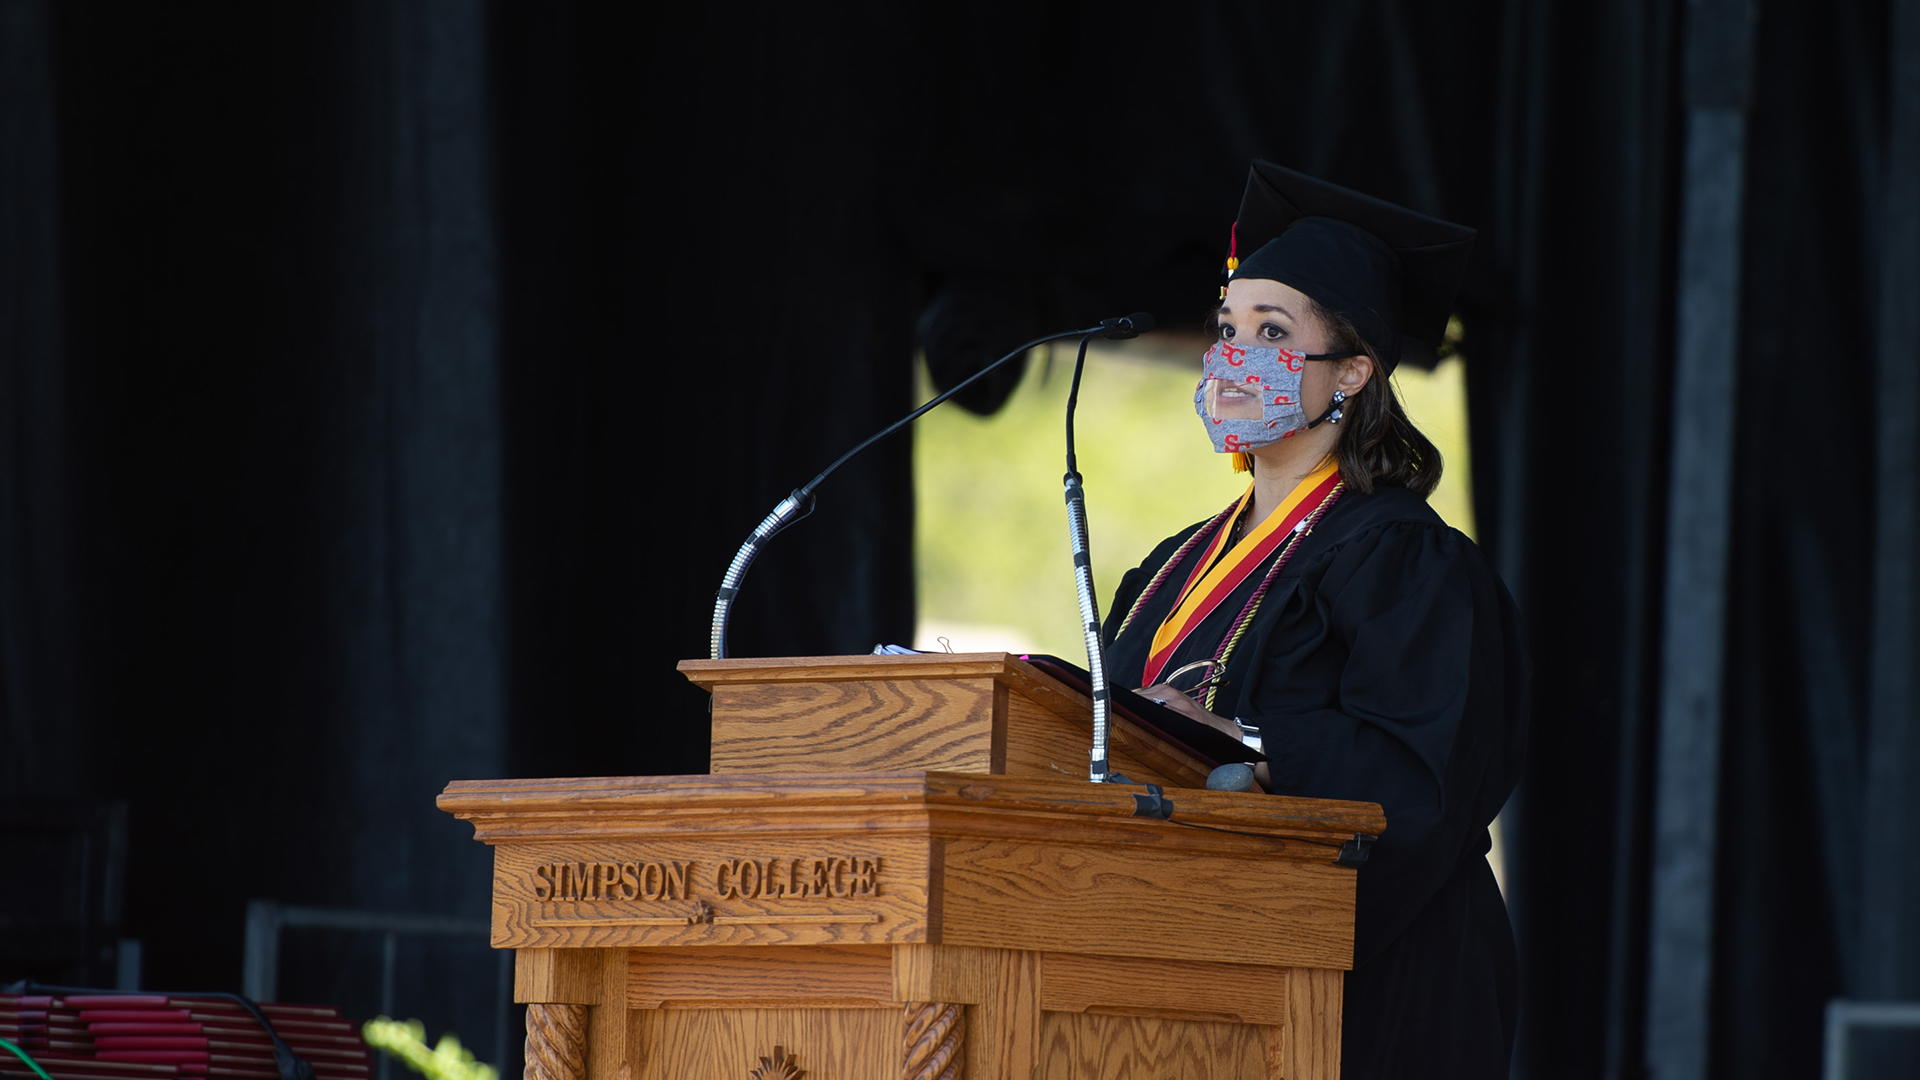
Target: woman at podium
point(1331, 614)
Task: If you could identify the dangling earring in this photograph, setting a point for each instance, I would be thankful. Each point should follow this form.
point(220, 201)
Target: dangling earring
point(1338, 397)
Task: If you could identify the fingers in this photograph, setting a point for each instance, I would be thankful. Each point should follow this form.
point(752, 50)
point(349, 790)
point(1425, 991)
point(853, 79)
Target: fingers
point(1160, 694)
point(1165, 694)
point(1218, 723)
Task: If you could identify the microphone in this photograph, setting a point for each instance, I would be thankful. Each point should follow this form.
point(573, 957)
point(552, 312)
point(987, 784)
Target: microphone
point(1127, 326)
point(800, 503)
point(1099, 766)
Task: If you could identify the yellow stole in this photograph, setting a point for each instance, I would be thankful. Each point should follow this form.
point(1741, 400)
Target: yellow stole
point(1219, 572)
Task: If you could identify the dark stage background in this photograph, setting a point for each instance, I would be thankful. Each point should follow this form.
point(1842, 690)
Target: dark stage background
point(362, 423)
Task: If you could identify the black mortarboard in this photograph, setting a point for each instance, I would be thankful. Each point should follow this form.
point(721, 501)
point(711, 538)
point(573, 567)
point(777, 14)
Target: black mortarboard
point(1393, 273)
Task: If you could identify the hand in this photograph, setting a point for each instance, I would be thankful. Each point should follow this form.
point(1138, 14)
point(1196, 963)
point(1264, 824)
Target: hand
point(1165, 694)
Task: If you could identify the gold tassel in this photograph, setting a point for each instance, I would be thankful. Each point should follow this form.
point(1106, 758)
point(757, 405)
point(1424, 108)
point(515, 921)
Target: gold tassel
point(1243, 462)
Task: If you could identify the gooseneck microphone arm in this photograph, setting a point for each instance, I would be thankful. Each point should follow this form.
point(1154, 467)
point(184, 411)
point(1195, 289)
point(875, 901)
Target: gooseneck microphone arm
point(799, 504)
point(1098, 769)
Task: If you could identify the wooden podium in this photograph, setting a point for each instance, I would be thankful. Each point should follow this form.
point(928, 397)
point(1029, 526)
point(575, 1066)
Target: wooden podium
point(898, 870)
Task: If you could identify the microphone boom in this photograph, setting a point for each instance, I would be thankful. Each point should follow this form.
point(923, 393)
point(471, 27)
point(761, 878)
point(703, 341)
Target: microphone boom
point(1127, 326)
point(800, 503)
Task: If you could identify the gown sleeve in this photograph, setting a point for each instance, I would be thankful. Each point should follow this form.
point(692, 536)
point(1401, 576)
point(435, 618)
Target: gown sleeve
point(1395, 694)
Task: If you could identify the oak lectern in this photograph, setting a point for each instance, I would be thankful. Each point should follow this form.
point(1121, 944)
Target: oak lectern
point(898, 871)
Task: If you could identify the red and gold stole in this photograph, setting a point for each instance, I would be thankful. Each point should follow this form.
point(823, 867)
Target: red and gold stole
point(1213, 578)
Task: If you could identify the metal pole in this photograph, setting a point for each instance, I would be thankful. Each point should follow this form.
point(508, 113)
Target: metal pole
point(1889, 948)
point(1844, 1016)
point(260, 970)
point(1719, 37)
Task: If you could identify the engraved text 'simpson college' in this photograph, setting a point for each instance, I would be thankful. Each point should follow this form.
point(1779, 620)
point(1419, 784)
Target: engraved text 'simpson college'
point(746, 879)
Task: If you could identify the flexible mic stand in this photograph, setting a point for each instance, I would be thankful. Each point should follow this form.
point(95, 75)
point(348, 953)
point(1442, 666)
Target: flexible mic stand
point(800, 503)
point(1097, 768)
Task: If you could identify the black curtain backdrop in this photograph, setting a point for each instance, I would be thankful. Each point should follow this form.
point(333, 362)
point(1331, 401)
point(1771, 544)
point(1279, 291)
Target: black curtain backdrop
point(385, 386)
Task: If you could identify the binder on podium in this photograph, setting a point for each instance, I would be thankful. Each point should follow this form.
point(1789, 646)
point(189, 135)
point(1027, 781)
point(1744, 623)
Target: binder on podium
point(898, 869)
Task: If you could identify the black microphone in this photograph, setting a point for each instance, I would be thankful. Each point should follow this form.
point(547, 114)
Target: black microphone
point(800, 503)
point(1128, 326)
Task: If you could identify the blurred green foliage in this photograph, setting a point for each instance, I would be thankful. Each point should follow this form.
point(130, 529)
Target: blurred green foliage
point(991, 529)
point(447, 1060)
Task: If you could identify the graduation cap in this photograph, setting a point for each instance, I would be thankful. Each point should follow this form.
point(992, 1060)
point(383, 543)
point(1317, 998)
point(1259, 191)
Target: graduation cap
point(1393, 273)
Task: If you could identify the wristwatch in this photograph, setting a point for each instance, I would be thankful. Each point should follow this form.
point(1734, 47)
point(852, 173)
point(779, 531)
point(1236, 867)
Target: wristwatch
point(1249, 734)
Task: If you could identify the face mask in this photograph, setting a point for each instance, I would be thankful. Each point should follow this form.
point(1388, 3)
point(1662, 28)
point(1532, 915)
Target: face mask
point(1268, 376)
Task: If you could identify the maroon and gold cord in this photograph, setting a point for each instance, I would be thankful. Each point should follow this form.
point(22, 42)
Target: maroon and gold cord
point(1241, 621)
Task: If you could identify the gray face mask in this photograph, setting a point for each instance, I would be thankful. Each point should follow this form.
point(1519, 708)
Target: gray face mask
point(1233, 377)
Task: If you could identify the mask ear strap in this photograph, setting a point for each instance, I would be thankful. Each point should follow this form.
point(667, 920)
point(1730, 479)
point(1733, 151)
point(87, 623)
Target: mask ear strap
point(1334, 411)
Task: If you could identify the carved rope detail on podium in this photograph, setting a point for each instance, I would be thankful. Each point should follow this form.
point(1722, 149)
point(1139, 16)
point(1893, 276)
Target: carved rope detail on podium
point(934, 1031)
point(556, 1042)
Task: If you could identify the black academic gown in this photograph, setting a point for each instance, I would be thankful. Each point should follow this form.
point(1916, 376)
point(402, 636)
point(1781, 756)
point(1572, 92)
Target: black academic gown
point(1386, 664)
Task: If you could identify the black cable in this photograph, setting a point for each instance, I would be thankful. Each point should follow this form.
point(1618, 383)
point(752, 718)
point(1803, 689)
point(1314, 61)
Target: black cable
point(1073, 395)
point(949, 392)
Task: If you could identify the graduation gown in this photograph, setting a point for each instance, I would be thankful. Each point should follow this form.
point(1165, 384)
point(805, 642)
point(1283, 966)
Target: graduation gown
point(1386, 664)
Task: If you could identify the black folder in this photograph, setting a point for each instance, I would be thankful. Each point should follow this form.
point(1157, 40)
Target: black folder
point(1209, 744)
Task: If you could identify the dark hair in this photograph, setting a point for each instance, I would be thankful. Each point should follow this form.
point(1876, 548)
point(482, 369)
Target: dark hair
point(1377, 444)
